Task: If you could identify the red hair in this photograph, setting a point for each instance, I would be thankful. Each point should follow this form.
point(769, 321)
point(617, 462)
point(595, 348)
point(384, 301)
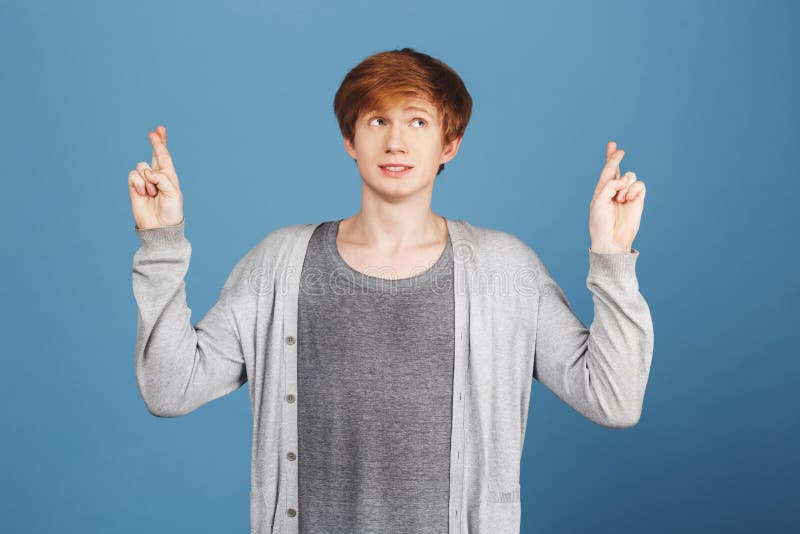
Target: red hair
point(374, 84)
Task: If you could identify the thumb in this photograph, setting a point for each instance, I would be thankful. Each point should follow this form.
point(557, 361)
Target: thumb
point(612, 187)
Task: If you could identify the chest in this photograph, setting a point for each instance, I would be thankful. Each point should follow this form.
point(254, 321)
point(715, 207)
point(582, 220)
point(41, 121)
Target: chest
point(391, 266)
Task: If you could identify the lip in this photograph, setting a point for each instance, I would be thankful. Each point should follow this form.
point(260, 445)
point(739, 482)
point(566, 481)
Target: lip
point(387, 172)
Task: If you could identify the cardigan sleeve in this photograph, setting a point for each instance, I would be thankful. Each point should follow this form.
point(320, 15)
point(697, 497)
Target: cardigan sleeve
point(180, 367)
point(602, 371)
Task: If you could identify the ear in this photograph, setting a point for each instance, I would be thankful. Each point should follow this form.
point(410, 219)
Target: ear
point(450, 150)
point(350, 147)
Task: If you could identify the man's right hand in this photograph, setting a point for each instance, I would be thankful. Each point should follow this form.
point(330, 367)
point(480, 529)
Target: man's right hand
point(156, 197)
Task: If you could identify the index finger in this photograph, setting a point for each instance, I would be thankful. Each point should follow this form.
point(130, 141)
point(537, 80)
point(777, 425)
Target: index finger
point(162, 132)
point(160, 153)
point(611, 147)
point(610, 170)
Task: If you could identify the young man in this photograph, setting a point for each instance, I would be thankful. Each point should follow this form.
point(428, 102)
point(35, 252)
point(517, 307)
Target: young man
point(390, 381)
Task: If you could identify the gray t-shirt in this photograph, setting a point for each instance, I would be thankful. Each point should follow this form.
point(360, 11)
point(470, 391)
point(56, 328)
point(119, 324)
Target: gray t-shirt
point(374, 393)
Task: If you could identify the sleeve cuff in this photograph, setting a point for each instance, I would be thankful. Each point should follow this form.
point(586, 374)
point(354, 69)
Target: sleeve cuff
point(616, 265)
point(164, 235)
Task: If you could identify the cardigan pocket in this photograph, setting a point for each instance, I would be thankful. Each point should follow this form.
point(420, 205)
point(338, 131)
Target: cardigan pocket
point(501, 512)
point(511, 495)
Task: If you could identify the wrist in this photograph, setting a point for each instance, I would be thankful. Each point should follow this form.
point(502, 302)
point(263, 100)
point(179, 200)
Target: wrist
point(610, 250)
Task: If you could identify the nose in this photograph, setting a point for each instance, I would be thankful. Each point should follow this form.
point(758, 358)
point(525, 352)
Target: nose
point(394, 139)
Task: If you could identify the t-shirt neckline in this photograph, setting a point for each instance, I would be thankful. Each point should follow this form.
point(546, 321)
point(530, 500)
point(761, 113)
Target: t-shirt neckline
point(361, 279)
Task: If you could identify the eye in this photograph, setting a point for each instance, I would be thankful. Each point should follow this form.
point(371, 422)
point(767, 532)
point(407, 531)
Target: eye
point(423, 121)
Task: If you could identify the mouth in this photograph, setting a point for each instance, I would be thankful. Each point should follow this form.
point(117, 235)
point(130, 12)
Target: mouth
point(395, 170)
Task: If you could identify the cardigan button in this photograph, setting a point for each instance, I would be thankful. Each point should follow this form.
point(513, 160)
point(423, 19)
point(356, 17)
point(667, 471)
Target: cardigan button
point(291, 512)
point(290, 340)
point(291, 456)
point(289, 398)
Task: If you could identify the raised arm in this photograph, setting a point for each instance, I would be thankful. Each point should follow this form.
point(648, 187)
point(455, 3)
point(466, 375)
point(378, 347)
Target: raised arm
point(601, 371)
point(179, 367)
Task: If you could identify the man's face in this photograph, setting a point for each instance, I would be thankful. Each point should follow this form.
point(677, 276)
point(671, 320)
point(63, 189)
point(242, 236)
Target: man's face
point(409, 134)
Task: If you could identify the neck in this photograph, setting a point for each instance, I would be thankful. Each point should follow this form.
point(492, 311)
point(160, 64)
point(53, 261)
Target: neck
point(394, 227)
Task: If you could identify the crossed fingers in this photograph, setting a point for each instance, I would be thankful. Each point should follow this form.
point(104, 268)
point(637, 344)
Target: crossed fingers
point(611, 171)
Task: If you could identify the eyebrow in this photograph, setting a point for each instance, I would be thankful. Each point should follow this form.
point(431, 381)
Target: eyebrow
point(407, 108)
point(418, 109)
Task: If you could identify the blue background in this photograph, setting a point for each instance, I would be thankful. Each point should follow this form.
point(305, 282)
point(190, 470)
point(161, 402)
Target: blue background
point(701, 95)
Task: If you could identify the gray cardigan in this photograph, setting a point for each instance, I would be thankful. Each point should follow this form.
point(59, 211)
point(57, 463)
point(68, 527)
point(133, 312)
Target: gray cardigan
point(512, 323)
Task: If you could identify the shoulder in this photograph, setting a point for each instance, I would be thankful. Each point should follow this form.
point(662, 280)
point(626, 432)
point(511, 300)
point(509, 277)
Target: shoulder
point(276, 244)
point(492, 245)
point(260, 266)
point(492, 256)
point(284, 237)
